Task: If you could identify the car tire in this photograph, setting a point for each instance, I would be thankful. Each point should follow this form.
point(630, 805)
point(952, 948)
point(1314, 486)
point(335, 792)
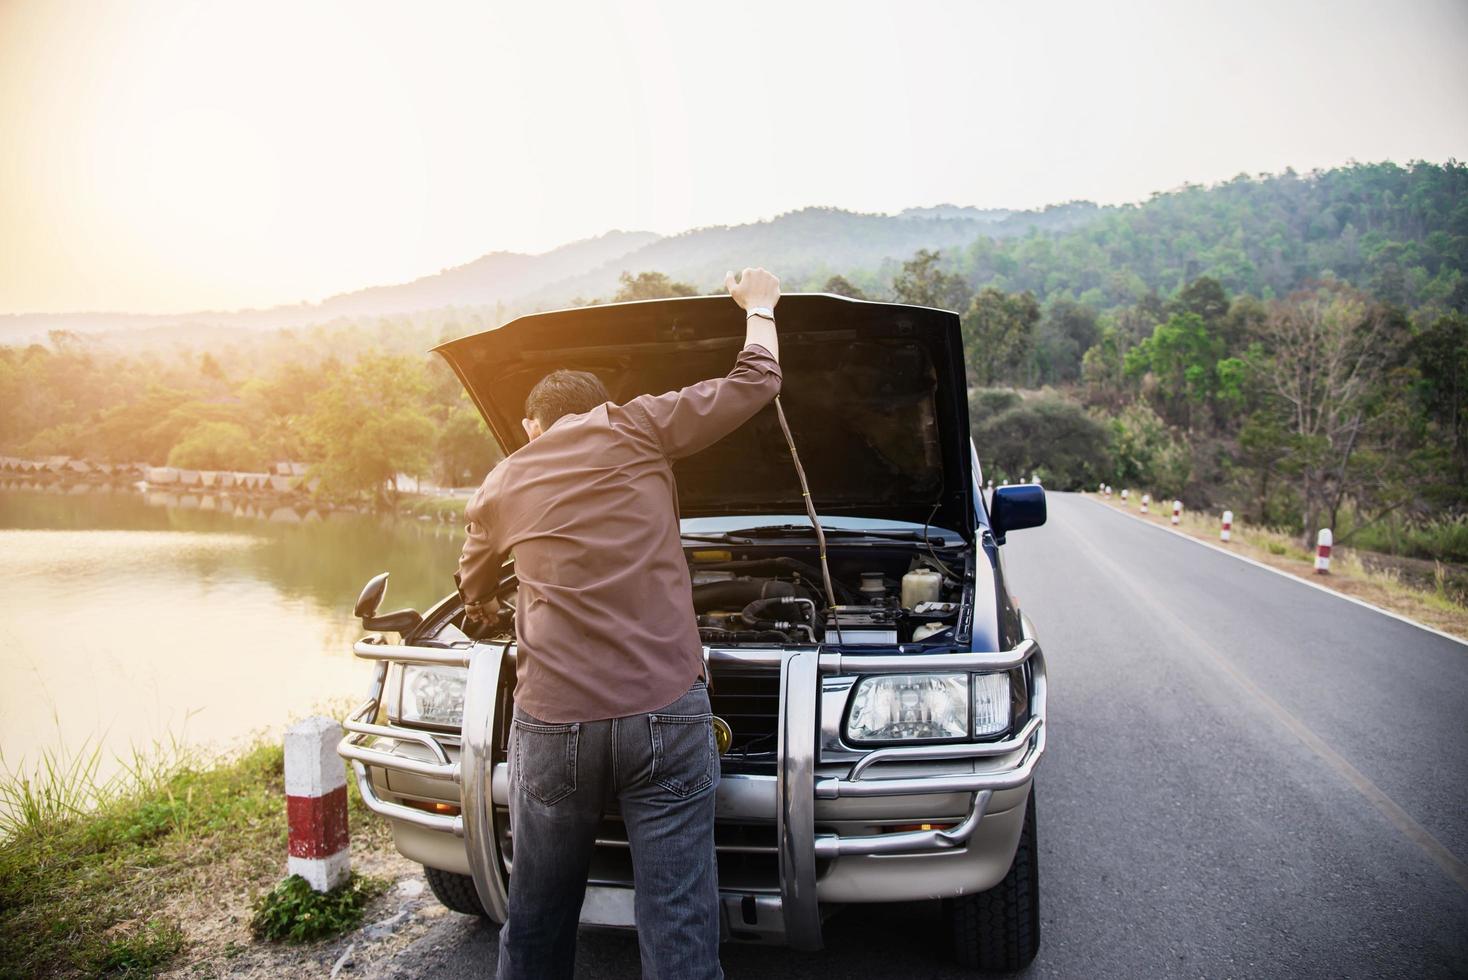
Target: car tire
point(999, 930)
point(455, 892)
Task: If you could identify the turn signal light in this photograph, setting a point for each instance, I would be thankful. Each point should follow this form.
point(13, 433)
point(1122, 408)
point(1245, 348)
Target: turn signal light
point(447, 809)
point(902, 828)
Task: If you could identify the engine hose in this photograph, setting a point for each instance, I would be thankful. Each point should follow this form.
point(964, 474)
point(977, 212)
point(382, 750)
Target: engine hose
point(744, 636)
point(810, 510)
point(738, 592)
point(783, 563)
point(783, 608)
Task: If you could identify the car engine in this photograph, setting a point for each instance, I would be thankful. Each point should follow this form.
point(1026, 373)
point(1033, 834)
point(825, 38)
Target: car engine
point(898, 597)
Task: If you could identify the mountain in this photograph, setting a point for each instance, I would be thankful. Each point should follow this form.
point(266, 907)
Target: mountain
point(808, 246)
point(1400, 231)
point(496, 279)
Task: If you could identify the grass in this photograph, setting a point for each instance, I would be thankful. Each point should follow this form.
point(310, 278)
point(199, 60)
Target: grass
point(1444, 540)
point(1440, 604)
point(97, 878)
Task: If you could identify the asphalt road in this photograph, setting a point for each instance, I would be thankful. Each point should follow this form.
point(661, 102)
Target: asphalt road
point(1246, 777)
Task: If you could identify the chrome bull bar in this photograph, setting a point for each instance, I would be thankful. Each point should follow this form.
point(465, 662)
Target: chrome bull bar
point(797, 784)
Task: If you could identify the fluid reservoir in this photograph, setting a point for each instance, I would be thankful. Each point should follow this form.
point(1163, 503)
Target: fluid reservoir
point(920, 585)
point(929, 629)
point(872, 585)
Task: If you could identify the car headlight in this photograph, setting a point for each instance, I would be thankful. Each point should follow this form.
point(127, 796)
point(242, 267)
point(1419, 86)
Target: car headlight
point(895, 707)
point(433, 695)
point(991, 703)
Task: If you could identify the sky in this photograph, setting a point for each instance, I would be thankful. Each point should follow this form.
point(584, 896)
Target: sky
point(173, 156)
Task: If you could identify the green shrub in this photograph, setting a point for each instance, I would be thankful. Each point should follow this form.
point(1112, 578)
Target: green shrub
point(294, 912)
point(984, 403)
point(1144, 451)
point(1051, 437)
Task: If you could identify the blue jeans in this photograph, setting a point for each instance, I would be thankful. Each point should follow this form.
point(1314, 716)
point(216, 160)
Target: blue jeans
point(662, 767)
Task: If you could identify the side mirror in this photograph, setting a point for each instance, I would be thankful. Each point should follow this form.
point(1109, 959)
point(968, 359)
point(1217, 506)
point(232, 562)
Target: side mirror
point(371, 596)
point(401, 621)
point(1016, 507)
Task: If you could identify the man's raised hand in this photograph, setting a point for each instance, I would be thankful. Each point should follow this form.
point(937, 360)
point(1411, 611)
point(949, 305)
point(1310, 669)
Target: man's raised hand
point(754, 288)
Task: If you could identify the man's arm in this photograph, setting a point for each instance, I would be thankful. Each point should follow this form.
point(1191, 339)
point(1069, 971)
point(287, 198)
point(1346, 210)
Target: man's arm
point(757, 289)
point(694, 418)
point(479, 562)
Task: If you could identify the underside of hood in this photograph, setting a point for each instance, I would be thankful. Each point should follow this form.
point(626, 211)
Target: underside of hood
point(874, 392)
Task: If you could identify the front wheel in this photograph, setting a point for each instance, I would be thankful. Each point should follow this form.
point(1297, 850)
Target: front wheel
point(454, 891)
point(999, 930)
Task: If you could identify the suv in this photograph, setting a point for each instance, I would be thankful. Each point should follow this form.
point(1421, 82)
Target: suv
point(878, 749)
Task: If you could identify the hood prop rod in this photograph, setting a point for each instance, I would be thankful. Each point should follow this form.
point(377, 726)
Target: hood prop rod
point(810, 511)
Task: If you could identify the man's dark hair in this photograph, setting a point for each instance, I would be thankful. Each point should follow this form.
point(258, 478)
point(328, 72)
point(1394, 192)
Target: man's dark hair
point(564, 393)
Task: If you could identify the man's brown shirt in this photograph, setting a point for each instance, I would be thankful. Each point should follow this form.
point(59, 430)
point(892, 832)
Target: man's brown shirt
point(604, 616)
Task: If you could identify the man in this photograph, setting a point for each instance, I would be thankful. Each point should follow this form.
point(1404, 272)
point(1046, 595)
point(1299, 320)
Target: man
point(610, 697)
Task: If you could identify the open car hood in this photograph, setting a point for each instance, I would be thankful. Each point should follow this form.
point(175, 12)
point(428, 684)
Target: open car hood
point(874, 392)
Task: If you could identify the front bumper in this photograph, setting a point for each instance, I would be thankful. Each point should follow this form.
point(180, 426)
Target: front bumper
point(831, 819)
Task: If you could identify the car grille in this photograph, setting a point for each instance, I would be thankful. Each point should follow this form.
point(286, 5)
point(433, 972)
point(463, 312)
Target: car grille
point(747, 700)
point(747, 854)
point(750, 703)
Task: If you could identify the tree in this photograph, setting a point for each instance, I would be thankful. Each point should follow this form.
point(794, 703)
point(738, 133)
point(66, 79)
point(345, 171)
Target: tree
point(1328, 351)
point(466, 450)
point(985, 403)
point(1441, 355)
point(1204, 297)
point(650, 285)
point(1102, 370)
point(277, 404)
point(1067, 330)
point(1144, 453)
point(998, 333)
point(841, 286)
point(209, 368)
point(923, 283)
point(1051, 437)
point(1182, 356)
point(1264, 447)
point(368, 427)
point(216, 446)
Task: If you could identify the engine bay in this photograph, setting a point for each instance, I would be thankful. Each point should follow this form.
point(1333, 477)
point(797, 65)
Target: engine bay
point(885, 595)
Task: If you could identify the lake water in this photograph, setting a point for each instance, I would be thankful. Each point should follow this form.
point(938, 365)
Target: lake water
point(134, 620)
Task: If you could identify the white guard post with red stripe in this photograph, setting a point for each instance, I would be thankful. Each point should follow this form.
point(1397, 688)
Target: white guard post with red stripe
point(1226, 531)
point(1108, 491)
point(1323, 541)
point(316, 804)
point(1124, 493)
point(1177, 512)
point(1146, 499)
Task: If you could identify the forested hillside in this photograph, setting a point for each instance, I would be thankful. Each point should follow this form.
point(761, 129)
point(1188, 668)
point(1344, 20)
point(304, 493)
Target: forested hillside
point(1400, 232)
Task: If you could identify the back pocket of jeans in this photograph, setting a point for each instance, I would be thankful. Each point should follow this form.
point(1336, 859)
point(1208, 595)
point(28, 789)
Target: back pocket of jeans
point(545, 759)
point(684, 752)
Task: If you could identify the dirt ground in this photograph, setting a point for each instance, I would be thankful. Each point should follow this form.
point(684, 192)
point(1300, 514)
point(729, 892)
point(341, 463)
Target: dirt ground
point(220, 944)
